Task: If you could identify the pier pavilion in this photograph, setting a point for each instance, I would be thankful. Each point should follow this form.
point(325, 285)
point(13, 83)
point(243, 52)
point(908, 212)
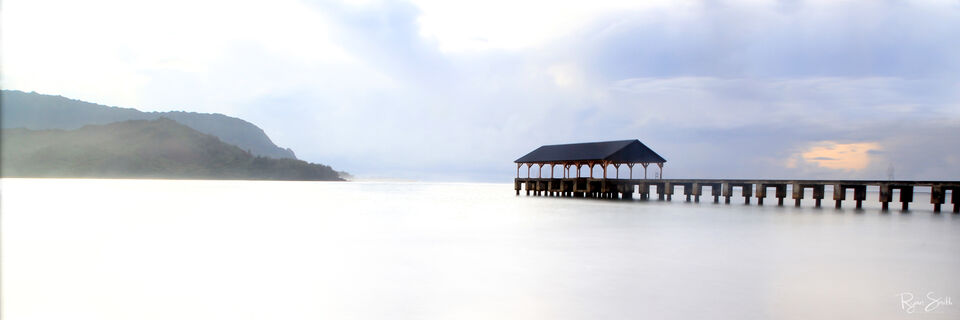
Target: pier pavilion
point(591, 154)
point(573, 157)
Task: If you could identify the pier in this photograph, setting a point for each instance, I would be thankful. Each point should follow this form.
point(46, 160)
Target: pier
point(579, 179)
point(693, 189)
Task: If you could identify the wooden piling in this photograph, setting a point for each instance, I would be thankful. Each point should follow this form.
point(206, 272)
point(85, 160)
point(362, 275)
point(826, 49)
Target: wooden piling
point(937, 197)
point(797, 194)
point(781, 190)
point(839, 194)
point(697, 189)
point(727, 192)
point(761, 193)
point(955, 198)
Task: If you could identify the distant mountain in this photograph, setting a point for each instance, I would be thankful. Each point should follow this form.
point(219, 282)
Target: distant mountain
point(160, 148)
point(39, 111)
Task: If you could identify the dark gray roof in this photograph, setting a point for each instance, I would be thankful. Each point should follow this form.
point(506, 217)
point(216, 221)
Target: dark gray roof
point(616, 151)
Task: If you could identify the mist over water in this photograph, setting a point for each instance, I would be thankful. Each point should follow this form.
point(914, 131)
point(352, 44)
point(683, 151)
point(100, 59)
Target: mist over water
point(164, 249)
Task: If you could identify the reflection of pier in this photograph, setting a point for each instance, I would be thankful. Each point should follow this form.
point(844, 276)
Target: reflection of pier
point(694, 188)
point(611, 155)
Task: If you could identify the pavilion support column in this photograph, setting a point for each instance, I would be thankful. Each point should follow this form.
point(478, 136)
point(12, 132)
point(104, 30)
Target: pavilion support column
point(644, 170)
point(528, 170)
point(518, 169)
point(630, 165)
point(551, 171)
point(660, 164)
point(591, 170)
point(617, 166)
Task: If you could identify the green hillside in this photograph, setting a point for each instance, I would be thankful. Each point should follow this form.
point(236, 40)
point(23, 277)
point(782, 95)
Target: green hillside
point(160, 148)
point(39, 111)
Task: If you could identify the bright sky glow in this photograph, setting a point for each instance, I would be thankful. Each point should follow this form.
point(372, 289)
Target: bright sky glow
point(844, 156)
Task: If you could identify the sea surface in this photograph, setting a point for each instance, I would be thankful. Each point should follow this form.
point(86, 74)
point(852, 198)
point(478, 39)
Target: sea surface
point(163, 249)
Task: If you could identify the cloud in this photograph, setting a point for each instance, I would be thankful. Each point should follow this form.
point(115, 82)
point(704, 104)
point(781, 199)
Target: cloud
point(459, 27)
point(759, 39)
point(436, 90)
point(832, 101)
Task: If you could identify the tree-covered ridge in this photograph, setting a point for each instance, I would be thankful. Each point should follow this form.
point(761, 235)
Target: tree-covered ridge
point(159, 148)
point(39, 111)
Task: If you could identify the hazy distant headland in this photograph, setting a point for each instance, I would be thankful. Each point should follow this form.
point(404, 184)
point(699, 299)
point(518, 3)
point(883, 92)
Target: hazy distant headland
point(52, 136)
point(40, 111)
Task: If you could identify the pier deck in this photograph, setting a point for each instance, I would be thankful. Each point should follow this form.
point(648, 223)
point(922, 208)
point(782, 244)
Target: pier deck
point(693, 188)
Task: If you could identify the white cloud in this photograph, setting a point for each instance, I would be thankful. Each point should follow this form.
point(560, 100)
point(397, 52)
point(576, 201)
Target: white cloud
point(103, 50)
point(461, 26)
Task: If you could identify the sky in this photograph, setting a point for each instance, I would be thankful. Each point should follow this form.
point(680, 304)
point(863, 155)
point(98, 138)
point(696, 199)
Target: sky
point(455, 91)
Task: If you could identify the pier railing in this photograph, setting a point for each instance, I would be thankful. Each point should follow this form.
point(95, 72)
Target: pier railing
point(693, 188)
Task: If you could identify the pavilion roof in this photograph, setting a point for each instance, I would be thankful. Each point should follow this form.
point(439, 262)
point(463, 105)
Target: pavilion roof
point(622, 151)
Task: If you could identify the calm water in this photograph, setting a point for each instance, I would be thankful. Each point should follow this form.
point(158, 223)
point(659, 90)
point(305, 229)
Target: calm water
point(129, 249)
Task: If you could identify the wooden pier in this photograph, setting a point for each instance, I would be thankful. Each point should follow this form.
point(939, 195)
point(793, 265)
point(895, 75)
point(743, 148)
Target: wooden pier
point(578, 178)
point(693, 188)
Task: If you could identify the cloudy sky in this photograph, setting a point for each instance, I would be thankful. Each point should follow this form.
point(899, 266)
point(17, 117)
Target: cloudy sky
point(443, 90)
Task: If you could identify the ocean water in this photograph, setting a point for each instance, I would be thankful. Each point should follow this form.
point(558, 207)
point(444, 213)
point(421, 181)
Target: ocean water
point(155, 249)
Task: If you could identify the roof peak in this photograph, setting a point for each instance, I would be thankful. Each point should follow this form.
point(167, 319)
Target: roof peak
point(621, 151)
point(592, 142)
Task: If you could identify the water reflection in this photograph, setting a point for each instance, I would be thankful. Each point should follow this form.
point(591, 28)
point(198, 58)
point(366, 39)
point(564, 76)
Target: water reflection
point(122, 249)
